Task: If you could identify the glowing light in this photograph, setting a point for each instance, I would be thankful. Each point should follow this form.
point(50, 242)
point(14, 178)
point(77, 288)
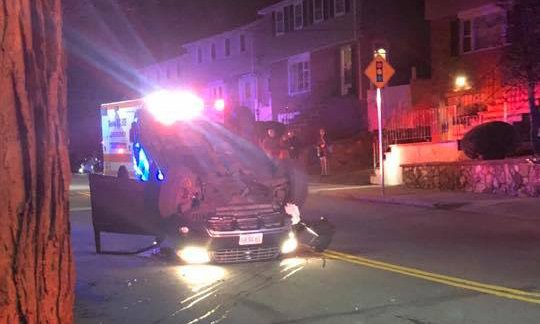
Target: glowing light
point(160, 175)
point(184, 230)
point(199, 277)
point(121, 151)
point(219, 105)
point(169, 107)
point(381, 52)
point(289, 245)
point(461, 82)
point(194, 255)
point(143, 167)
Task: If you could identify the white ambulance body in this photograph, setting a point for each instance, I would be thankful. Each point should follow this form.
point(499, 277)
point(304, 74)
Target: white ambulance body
point(116, 120)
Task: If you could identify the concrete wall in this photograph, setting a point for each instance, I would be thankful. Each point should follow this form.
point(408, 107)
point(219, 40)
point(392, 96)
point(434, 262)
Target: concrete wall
point(514, 177)
point(404, 154)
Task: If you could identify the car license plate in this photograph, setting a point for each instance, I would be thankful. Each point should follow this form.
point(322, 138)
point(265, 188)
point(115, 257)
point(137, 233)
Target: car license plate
point(250, 239)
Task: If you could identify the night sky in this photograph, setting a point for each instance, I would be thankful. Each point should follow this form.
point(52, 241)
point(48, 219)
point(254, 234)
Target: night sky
point(107, 40)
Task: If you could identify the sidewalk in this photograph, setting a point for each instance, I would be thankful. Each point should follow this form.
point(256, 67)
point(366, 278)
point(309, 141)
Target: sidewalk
point(524, 208)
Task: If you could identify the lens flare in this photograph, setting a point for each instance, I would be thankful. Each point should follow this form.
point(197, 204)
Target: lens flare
point(169, 107)
point(194, 255)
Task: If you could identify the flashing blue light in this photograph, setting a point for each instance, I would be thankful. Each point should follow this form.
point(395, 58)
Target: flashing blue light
point(143, 168)
point(160, 175)
point(137, 145)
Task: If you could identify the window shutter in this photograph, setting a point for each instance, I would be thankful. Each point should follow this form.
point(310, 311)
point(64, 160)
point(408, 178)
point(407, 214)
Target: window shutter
point(309, 10)
point(286, 19)
point(274, 23)
point(291, 17)
point(454, 38)
point(306, 12)
point(330, 8)
point(326, 9)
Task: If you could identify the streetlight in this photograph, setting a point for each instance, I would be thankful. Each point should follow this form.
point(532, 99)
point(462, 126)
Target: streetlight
point(381, 52)
point(461, 83)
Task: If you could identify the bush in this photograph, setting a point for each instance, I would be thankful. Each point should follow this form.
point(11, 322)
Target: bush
point(490, 141)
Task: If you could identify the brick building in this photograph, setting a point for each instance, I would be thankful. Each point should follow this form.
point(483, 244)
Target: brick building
point(468, 40)
point(302, 61)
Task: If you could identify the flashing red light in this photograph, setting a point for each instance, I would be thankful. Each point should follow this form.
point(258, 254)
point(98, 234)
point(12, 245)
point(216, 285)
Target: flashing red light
point(121, 151)
point(219, 104)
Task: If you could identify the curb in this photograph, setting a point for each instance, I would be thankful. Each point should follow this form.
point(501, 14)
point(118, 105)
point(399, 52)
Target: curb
point(398, 201)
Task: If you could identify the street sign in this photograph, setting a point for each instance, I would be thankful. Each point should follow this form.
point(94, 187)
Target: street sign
point(379, 71)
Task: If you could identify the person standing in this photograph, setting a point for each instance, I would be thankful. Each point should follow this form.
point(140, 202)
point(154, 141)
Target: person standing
point(293, 145)
point(323, 148)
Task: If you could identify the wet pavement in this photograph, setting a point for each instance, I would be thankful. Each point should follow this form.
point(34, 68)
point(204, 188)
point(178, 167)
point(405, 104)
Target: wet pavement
point(392, 264)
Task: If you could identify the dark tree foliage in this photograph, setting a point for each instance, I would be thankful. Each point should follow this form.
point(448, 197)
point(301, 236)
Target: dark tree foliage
point(490, 141)
point(522, 55)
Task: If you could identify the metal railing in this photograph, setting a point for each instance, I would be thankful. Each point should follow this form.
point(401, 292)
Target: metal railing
point(426, 125)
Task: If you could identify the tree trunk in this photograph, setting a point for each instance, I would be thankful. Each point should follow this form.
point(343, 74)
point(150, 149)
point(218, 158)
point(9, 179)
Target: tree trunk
point(535, 116)
point(36, 262)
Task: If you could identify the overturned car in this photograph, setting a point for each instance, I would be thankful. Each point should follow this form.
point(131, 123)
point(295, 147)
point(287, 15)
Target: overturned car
point(211, 195)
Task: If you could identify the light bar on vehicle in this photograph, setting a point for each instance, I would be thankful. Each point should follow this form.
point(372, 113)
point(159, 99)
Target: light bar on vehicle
point(169, 107)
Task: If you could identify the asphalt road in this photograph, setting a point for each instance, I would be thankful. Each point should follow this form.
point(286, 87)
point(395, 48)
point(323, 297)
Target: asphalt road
point(387, 264)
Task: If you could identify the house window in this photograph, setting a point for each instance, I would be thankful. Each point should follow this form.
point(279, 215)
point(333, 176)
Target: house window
point(216, 90)
point(483, 32)
point(199, 55)
point(299, 74)
point(242, 43)
point(298, 16)
point(213, 52)
point(280, 23)
point(247, 90)
point(339, 7)
point(318, 10)
point(346, 70)
point(227, 47)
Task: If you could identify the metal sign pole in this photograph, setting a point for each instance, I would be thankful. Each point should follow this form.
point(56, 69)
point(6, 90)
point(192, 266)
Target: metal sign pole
point(381, 153)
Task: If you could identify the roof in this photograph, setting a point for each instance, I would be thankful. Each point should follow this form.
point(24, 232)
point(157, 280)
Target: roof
point(277, 5)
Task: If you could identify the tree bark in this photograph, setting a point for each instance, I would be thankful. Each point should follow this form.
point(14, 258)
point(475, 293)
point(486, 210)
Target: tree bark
point(535, 116)
point(36, 263)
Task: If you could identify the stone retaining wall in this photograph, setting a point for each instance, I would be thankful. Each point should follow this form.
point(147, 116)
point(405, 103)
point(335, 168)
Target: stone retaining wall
point(515, 177)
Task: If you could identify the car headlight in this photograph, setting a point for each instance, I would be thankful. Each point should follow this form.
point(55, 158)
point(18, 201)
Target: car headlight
point(194, 255)
point(289, 245)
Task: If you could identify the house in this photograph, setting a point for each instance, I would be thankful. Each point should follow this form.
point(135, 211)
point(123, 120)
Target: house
point(468, 40)
point(302, 61)
point(220, 67)
point(316, 51)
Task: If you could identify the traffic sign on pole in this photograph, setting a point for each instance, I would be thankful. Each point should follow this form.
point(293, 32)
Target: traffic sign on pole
point(379, 73)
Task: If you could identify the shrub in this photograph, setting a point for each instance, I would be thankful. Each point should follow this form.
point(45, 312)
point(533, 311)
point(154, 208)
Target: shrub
point(490, 141)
